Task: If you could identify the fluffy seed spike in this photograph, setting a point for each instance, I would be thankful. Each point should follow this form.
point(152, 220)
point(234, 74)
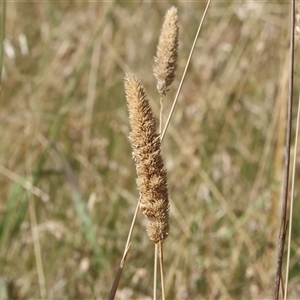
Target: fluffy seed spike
point(166, 54)
point(152, 176)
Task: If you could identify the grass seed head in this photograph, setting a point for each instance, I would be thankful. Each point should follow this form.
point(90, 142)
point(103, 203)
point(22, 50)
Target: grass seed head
point(166, 54)
point(152, 176)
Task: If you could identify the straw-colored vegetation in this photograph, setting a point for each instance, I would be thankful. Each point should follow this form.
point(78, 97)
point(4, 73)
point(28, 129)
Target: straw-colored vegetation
point(68, 190)
point(152, 176)
point(165, 61)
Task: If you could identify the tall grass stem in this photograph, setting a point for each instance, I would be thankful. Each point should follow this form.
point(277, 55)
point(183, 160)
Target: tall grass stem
point(161, 115)
point(37, 248)
point(292, 204)
point(161, 264)
point(34, 225)
point(282, 232)
point(155, 271)
point(114, 287)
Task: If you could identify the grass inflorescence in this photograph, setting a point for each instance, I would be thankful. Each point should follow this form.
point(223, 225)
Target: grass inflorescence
point(223, 149)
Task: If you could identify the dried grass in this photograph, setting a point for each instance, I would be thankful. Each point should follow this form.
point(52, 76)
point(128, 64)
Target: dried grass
point(166, 55)
point(152, 176)
point(224, 142)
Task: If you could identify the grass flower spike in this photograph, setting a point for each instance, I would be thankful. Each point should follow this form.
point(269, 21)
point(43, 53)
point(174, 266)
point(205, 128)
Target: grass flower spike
point(166, 54)
point(152, 176)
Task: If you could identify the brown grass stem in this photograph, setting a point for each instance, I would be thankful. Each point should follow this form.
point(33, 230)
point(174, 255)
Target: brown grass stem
point(161, 264)
point(115, 284)
point(292, 204)
point(161, 115)
point(282, 232)
point(156, 246)
point(127, 246)
point(155, 271)
point(184, 72)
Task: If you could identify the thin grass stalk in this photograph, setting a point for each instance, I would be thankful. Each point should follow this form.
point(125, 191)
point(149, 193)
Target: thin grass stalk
point(34, 228)
point(37, 248)
point(2, 35)
point(155, 245)
point(155, 271)
point(161, 264)
point(115, 284)
point(292, 204)
point(161, 115)
point(114, 287)
point(282, 232)
point(184, 72)
point(130, 234)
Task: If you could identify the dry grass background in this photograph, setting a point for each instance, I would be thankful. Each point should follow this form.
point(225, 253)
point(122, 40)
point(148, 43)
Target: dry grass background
point(67, 179)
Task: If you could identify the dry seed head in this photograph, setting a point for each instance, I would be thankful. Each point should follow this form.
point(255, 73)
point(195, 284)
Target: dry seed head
point(152, 176)
point(166, 54)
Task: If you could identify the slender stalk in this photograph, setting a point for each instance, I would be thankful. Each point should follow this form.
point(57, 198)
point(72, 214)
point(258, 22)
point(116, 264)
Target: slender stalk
point(130, 234)
point(156, 246)
point(161, 264)
point(2, 35)
point(34, 225)
point(114, 287)
point(37, 248)
point(161, 115)
point(282, 232)
point(185, 71)
point(292, 204)
point(155, 271)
